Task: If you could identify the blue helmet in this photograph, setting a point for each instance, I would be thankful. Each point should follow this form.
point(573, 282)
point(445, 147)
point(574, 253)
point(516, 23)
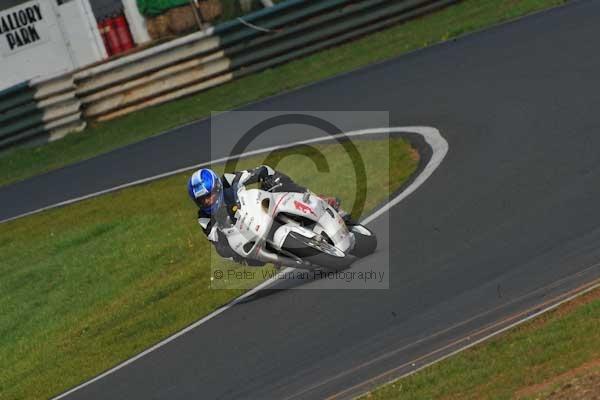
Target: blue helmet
point(206, 190)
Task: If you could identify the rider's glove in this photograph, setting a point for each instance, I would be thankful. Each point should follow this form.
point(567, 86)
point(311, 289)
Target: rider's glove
point(270, 182)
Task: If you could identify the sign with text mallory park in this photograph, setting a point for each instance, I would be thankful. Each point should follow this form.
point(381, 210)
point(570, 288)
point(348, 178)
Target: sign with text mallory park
point(22, 27)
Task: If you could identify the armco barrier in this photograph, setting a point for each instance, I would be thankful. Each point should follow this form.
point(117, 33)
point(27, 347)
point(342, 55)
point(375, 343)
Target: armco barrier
point(48, 109)
point(39, 110)
point(260, 40)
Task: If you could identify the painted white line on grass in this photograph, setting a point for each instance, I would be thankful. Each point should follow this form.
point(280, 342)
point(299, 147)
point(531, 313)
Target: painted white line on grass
point(439, 147)
point(431, 135)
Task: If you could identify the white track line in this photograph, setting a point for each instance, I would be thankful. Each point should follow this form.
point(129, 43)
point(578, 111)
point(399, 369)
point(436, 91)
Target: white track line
point(431, 135)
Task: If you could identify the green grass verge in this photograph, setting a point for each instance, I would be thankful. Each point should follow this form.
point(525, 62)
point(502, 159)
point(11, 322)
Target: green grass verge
point(467, 16)
point(89, 285)
point(508, 365)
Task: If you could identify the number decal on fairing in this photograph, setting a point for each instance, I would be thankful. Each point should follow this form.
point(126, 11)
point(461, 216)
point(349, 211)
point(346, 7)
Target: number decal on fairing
point(303, 208)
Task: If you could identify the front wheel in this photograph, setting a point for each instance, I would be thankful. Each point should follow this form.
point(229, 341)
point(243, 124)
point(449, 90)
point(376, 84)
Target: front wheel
point(317, 252)
point(365, 241)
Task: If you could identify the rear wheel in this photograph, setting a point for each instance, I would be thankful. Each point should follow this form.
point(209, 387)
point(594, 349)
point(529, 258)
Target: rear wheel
point(365, 241)
point(317, 252)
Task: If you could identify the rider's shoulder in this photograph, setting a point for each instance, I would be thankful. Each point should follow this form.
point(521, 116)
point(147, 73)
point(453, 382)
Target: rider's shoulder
point(228, 179)
point(202, 214)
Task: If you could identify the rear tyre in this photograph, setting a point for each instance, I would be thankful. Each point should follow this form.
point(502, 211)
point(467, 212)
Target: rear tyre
point(317, 252)
point(365, 241)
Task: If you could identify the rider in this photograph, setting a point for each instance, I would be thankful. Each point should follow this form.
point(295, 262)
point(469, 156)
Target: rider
point(216, 200)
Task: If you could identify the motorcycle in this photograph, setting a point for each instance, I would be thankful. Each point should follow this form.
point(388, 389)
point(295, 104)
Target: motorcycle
point(299, 230)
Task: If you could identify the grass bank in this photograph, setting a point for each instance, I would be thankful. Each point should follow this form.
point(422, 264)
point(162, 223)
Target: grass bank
point(557, 355)
point(89, 285)
point(466, 16)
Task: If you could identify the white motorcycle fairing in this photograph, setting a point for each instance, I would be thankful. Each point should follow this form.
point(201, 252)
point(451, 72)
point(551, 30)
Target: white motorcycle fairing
point(293, 229)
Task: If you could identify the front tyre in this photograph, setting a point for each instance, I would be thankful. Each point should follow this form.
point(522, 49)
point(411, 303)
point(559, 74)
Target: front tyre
point(317, 252)
point(365, 241)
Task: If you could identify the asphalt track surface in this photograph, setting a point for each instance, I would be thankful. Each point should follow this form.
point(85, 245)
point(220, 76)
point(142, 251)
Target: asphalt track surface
point(508, 221)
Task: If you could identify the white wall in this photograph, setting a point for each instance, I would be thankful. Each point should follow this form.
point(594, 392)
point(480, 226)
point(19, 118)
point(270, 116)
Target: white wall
point(40, 38)
point(48, 55)
point(81, 33)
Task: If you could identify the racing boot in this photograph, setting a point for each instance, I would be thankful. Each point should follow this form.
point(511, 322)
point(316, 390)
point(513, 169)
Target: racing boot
point(335, 203)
